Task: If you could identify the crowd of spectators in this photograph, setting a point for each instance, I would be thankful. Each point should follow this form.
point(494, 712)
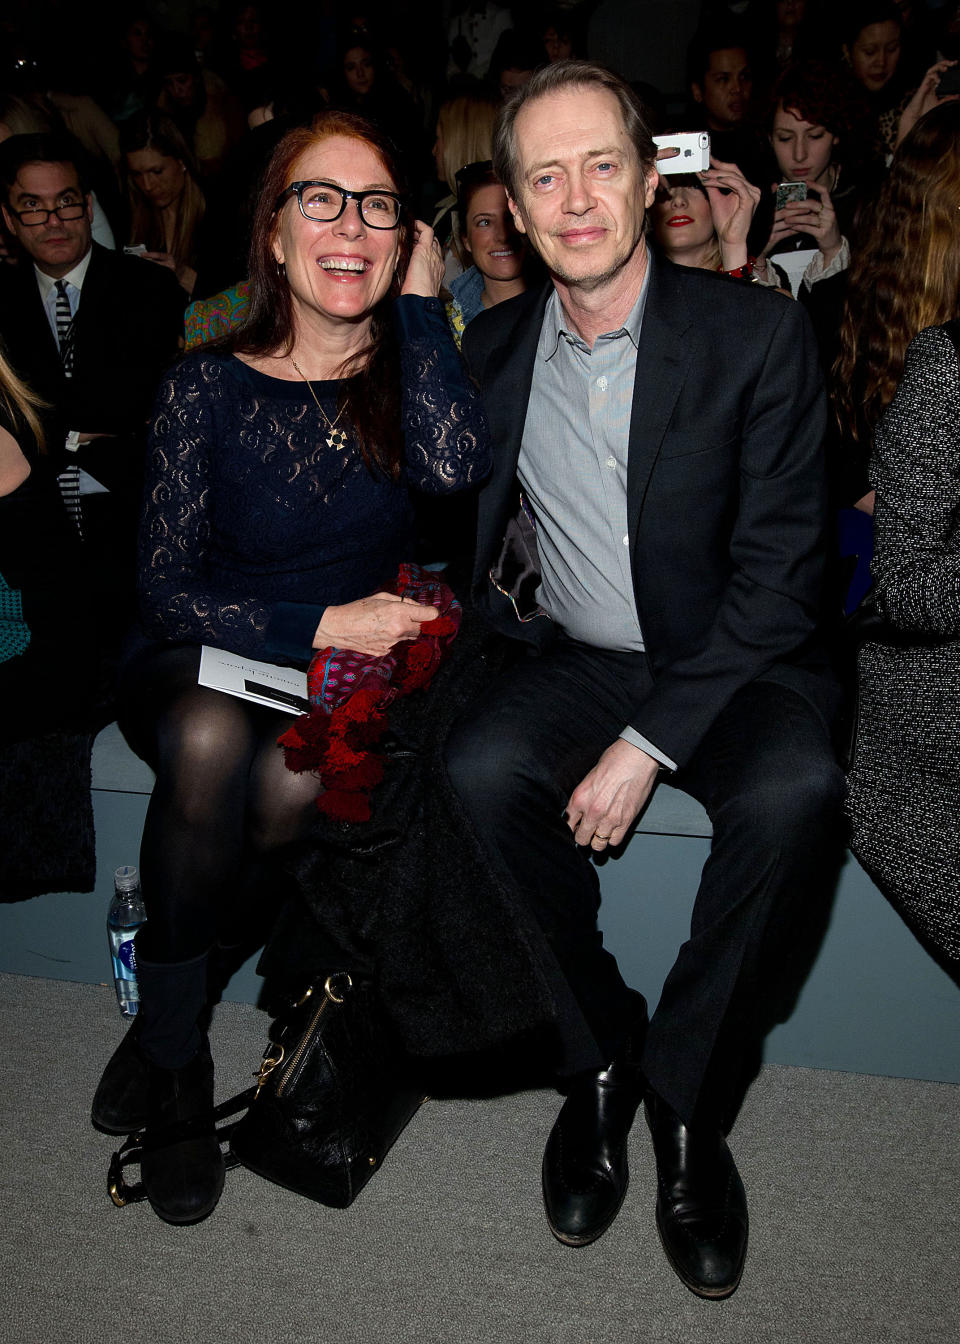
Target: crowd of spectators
point(171, 115)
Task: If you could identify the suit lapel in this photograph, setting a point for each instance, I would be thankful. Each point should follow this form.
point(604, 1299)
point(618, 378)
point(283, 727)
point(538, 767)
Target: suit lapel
point(506, 387)
point(35, 315)
point(663, 358)
point(88, 339)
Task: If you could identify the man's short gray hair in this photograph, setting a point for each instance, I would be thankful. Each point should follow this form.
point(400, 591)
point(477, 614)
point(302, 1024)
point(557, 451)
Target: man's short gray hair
point(568, 75)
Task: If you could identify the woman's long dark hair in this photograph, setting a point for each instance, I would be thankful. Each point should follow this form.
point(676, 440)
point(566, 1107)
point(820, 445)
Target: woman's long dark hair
point(370, 393)
point(905, 273)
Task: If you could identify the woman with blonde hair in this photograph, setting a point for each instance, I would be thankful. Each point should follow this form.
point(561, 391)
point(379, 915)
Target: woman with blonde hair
point(464, 136)
point(40, 612)
point(905, 276)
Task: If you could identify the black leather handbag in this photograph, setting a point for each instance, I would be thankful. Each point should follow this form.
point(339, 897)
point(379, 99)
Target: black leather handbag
point(333, 1093)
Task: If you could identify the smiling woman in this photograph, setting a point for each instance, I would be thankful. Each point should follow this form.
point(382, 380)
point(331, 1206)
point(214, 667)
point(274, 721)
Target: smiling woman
point(498, 252)
point(279, 510)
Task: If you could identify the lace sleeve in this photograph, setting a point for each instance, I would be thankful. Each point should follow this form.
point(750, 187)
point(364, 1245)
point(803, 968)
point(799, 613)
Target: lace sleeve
point(176, 601)
point(444, 427)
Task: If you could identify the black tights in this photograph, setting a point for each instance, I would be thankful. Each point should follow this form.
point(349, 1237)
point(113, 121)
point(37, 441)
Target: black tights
point(223, 800)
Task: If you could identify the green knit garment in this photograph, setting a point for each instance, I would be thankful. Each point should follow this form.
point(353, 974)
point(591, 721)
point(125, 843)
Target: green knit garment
point(14, 633)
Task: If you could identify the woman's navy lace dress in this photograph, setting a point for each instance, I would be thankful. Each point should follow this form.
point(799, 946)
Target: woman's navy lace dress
point(254, 525)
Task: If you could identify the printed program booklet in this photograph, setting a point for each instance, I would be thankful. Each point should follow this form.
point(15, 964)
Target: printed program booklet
point(264, 683)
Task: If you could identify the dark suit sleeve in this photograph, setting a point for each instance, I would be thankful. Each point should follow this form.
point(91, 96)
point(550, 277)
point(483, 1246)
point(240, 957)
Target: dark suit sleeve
point(769, 605)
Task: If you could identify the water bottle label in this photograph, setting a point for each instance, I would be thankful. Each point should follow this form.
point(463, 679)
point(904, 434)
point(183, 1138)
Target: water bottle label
point(125, 961)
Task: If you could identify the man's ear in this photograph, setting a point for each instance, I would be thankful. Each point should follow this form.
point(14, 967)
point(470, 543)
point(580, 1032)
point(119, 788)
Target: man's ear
point(517, 216)
point(7, 218)
point(697, 92)
point(88, 201)
point(651, 182)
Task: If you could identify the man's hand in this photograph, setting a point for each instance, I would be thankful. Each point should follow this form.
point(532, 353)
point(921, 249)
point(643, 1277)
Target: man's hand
point(605, 803)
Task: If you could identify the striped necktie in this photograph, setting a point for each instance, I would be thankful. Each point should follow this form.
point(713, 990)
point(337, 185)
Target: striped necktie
point(64, 322)
point(68, 480)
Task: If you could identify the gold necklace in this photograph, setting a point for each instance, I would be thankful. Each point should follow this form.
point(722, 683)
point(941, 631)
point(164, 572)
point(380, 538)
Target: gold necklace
point(337, 438)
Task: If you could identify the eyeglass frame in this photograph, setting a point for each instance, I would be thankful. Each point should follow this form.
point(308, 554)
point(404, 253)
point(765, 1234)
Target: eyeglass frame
point(81, 206)
point(345, 196)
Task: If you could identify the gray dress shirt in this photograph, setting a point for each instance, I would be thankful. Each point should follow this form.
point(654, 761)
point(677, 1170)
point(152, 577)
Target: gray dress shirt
point(573, 473)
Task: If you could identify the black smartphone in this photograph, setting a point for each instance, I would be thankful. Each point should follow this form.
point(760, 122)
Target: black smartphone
point(949, 82)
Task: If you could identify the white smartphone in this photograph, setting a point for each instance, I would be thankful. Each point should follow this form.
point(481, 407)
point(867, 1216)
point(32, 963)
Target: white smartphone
point(135, 249)
point(692, 152)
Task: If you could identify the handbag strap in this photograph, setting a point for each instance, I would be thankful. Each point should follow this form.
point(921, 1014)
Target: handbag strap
point(129, 1154)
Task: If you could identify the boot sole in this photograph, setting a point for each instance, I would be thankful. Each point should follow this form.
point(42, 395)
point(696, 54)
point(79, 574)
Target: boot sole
point(117, 1131)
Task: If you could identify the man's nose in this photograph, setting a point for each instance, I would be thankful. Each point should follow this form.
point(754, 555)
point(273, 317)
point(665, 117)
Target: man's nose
point(578, 198)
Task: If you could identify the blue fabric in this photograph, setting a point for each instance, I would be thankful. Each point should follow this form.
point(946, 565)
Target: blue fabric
point(466, 290)
point(254, 525)
point(855, 538)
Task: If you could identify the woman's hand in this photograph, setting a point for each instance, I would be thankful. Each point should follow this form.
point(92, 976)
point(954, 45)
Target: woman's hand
point(372, 625)
point(815, 217)
point(732, 210)
point(186, 275)
point(924, 99)
point(425, 272)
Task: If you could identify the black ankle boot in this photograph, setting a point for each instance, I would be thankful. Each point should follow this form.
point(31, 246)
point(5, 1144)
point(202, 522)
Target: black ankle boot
point(120, 1101)
point(585, 1172)
point(701, 1202)
point(166, 1029)
point(182, 1167)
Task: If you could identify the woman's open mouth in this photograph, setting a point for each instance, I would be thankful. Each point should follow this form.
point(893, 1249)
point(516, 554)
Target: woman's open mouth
point(343, 265)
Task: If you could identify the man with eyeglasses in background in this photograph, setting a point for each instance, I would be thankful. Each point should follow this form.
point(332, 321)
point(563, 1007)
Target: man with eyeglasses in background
point(91, 331)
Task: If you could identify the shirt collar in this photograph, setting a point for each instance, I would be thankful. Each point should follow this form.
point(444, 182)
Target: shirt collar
point(555, 324)
point(75, 277)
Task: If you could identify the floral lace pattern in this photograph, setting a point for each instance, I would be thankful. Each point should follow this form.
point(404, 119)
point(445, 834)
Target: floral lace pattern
point(247, 505)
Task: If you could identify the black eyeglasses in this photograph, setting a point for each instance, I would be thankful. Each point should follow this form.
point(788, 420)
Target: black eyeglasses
point(32, 218)
point(325, 202)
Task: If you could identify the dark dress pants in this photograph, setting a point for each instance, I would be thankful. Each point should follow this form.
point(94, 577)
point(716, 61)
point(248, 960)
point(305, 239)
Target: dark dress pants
point(766, 775)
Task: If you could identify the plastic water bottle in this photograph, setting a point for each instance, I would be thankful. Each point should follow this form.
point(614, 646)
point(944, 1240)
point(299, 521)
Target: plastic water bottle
point(124, 917)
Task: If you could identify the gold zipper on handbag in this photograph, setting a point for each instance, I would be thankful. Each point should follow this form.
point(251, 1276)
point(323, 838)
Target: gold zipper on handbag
point(275, 1054)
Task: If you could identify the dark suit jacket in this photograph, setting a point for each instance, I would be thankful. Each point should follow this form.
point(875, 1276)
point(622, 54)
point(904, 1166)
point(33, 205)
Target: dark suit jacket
point(125, 334)
point(726, 494)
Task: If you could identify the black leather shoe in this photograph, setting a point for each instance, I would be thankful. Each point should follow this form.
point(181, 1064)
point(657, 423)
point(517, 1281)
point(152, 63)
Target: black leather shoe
point(701, 1203)
point(182, 1167)
point(120, 1101)
point(585, 1173)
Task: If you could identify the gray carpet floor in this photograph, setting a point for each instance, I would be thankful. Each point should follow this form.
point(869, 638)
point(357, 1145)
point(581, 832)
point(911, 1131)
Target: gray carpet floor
point(852, 1181)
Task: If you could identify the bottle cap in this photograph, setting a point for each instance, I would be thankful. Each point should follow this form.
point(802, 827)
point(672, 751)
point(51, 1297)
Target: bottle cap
point(126, 878)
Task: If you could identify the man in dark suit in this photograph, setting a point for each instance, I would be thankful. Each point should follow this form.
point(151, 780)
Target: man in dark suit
point(91, 331)
point(653, 532)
